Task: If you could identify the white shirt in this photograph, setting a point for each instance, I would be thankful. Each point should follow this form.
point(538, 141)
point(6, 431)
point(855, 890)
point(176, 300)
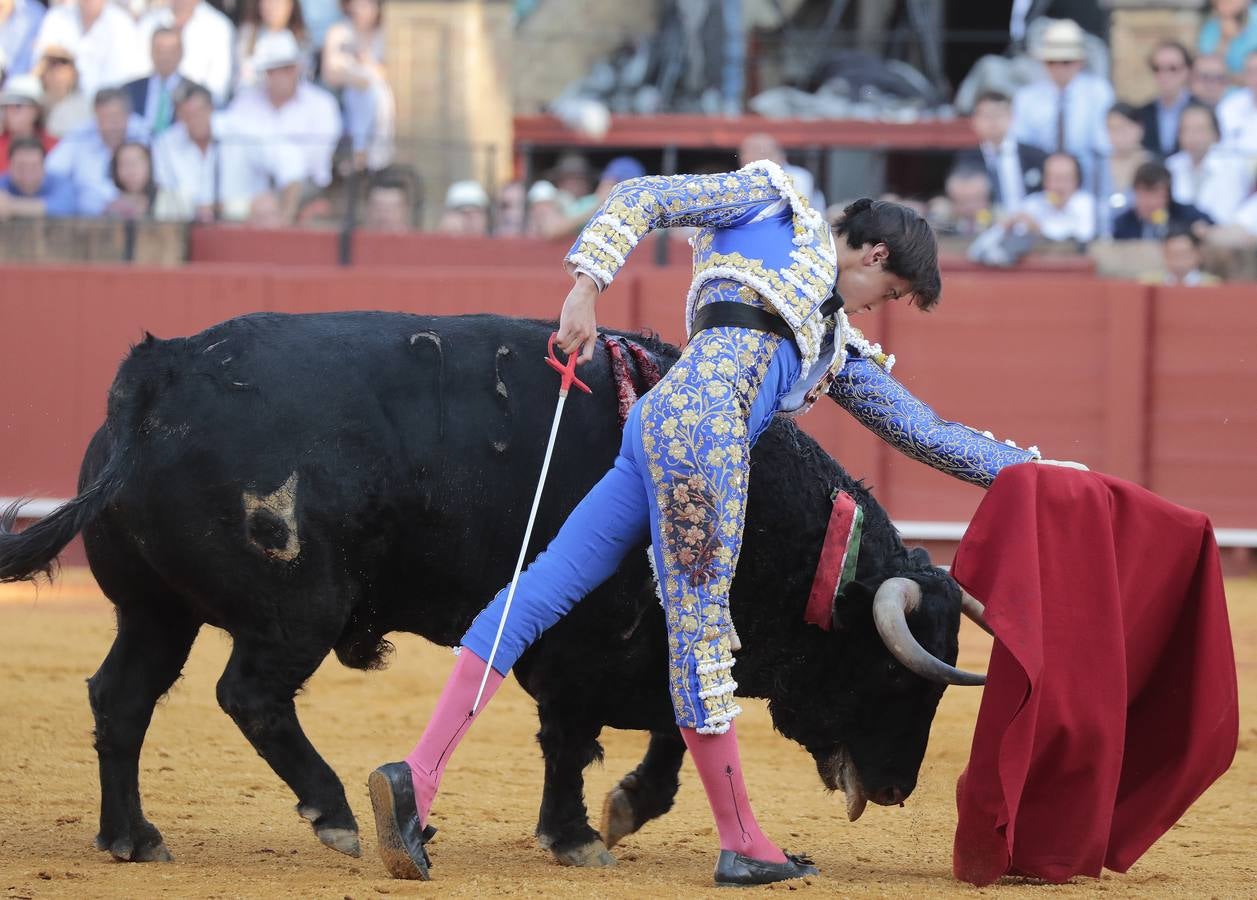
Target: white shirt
point(1087, 100)
point(1217, 186)
point(189, 175)
point(1006, 162)
point(1075, 221)
point(106, 55)
point(208, 43)
point(1246, 215)
point(309, 123)
point(252, 164)
point(1237, 117)
point(83, 157)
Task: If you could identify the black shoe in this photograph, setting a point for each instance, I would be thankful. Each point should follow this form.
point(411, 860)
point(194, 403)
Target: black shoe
point(735, 870)
point(397, 828)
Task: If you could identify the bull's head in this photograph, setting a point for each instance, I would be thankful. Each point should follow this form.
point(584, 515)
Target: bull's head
point(891, 653)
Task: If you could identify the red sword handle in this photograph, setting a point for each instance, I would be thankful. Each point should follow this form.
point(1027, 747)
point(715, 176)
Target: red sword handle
point(567, 370)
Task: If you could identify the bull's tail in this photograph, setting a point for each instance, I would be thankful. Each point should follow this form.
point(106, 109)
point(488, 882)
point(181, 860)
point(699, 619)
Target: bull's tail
point(27, 554)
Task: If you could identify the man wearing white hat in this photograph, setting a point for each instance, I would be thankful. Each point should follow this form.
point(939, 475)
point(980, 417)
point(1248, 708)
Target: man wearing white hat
point(22, 112)
point(285, 119)
point(466, 210)
point(1065, 110)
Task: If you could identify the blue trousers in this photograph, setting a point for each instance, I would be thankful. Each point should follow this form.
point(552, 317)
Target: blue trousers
point(681, 478)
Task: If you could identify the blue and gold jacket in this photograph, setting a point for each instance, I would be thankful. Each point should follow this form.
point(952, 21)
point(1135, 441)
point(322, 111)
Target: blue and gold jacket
point(756, 230)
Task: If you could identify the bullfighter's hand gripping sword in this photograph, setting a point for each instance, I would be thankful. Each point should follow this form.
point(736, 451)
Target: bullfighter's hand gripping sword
point(568, 371)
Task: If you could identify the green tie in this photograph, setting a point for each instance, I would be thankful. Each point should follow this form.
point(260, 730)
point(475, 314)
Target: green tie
point(162, 120)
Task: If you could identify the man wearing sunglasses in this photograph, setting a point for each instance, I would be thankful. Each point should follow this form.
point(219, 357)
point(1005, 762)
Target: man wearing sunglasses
point(1171, 66)
point(1210, 79)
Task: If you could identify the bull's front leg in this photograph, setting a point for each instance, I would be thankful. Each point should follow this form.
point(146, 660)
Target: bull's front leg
point(569, 743)
point(648, 791)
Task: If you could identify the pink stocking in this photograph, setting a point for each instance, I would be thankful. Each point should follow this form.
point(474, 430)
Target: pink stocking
point(450, 721)
point(716, 758)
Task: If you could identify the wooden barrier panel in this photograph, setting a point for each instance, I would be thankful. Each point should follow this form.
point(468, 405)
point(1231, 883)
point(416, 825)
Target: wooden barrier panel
point(1153, 385)
point(1203, 400)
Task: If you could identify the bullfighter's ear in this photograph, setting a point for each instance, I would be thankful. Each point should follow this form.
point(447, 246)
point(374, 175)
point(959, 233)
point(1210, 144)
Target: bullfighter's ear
point(853, 603)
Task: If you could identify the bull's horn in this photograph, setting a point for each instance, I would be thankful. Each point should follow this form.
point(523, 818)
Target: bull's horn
point(973, 609)
point(895, 600)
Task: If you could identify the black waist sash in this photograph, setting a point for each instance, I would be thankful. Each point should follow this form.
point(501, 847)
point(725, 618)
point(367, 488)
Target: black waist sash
point(727, 313)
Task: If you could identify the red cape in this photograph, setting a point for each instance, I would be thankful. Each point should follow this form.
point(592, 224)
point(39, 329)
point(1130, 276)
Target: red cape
point(1111, 700)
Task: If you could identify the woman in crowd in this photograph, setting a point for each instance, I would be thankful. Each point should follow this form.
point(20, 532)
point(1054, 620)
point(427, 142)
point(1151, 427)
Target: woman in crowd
point(263, 17)
point(353, 66)
point(1230, 32)
point(1212, 178)
point(21, 103)
point(132, 173)
point(66, 106)
point(1126, 134)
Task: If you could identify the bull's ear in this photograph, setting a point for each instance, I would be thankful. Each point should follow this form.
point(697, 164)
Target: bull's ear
point(853, 604)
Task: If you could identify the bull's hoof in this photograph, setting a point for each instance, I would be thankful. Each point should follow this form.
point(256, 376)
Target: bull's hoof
point(342, 840)
point(593, 855)
point(618, 819)
point(125, 849)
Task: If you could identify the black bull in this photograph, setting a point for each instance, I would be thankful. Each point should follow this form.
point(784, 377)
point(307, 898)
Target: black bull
point(312, 483)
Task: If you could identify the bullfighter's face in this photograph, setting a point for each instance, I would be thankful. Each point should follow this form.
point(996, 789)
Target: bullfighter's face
point(864, 281)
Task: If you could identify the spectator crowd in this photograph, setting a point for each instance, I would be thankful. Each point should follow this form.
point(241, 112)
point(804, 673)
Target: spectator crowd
point(180, 111)
point(1060, 161)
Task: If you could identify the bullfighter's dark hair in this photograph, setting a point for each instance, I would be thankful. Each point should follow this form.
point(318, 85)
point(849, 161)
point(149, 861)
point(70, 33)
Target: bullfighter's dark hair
point(908, 237)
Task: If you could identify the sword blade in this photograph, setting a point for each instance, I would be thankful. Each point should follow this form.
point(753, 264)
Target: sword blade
point(523, 550)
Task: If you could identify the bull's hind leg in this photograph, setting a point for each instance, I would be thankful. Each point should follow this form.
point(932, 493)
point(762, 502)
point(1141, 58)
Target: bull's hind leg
point(569, 743)
point(647, 792)
point(257, 690)
point(147, 656)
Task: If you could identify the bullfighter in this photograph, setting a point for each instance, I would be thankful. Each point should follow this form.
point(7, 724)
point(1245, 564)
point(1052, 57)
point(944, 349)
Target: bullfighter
point(767, 314)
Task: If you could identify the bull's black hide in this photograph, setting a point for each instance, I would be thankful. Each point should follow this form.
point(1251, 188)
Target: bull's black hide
point(311, 483)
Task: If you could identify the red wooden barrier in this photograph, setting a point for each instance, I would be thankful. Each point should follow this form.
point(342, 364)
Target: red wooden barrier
point(1154, 385)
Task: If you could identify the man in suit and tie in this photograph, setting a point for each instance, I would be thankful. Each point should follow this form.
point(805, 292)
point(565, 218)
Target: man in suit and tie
point(153, 98)
point(1171, 66)
point(1065, 109)
point(1015, 169)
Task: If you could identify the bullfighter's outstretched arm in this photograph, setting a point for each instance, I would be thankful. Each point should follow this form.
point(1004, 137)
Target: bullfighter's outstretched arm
point(639, 205)
point(885, 407)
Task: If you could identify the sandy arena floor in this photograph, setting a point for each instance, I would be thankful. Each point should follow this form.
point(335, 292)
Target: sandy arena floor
point(231, 825)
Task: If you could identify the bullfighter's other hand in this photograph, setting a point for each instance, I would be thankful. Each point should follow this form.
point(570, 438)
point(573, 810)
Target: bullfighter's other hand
point(578, 326)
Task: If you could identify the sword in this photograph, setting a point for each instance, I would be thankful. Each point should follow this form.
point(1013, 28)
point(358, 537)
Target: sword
point(568, 371)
